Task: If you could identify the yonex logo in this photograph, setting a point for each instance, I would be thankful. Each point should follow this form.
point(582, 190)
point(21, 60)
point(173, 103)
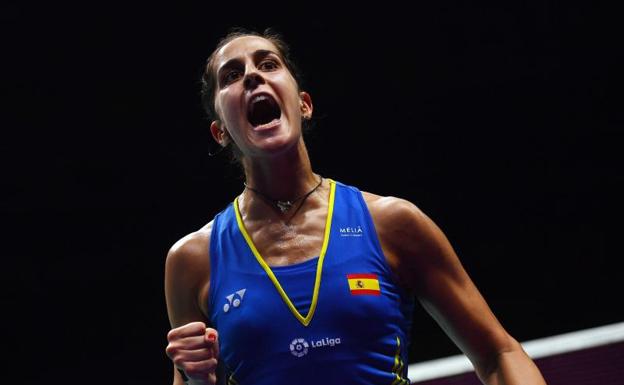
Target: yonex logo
point(299, 346)
point(234, 300)
point(355, 231)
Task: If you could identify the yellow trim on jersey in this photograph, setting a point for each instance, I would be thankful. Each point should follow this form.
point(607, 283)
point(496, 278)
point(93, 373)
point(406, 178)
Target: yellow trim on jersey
point(319, 268)
point(398, 366)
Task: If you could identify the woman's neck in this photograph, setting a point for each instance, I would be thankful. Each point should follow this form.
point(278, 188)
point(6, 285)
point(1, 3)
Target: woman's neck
point(284, 177)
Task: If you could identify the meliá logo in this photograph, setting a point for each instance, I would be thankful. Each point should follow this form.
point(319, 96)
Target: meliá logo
point(299, 346)
point(355, 231)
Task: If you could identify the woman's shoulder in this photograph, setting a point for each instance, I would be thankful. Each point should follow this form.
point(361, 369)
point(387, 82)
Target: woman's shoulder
point(386, 206)
point(389, 206)
point(196, 245)
point(193, 247)
point(393, 215)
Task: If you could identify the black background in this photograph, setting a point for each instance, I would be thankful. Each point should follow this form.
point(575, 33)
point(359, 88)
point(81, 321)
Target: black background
point(503, 122)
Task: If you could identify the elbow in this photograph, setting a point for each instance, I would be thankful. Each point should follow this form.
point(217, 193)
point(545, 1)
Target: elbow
point(492, 361)
point(510, 365)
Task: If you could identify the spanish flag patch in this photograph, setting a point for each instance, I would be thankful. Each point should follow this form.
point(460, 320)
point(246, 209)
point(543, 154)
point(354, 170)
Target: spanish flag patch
point(363, 284)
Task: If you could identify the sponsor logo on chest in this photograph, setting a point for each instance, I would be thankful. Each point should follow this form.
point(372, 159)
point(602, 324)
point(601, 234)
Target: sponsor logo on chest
point(351, 231)
point(299, 347)
point(234, 300)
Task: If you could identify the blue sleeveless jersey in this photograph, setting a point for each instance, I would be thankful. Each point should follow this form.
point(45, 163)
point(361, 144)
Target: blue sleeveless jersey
point(339, 318)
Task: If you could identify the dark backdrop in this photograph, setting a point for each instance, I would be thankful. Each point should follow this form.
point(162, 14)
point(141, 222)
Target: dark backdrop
point(503, 122)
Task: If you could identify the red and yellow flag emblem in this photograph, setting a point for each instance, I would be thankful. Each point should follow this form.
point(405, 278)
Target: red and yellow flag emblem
point(363, 284)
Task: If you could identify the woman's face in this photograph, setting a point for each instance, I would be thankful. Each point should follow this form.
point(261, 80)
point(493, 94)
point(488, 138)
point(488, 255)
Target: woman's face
point(256, 98)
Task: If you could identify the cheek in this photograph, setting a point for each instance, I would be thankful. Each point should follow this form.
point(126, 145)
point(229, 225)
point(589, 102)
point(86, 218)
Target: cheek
point(287, 89)
point(293, 103)
point(229, 109)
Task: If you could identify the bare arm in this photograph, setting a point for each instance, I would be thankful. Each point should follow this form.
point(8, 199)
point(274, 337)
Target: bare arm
point(187, 276)
point(425, 263)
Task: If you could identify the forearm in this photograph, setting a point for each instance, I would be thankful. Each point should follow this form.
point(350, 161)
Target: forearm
point(179, 378)
point(513, 367)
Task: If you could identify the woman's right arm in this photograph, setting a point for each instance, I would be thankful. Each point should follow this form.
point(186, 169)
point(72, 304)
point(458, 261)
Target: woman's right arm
point(192, 346)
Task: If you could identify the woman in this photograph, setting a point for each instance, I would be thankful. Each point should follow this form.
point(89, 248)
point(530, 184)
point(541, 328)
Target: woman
point(302, 279)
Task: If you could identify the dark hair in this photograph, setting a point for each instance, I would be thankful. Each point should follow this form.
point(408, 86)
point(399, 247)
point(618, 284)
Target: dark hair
point(209, 81)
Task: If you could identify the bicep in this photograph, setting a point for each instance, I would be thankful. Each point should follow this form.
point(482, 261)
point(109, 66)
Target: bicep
point(453, 300)
point(187, 274)
point(431, 269)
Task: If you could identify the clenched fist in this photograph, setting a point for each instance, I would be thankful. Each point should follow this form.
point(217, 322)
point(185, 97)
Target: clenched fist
point(194, 348)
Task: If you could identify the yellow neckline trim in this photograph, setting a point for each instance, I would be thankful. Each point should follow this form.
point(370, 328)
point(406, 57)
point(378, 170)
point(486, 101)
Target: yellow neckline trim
point(319, 267)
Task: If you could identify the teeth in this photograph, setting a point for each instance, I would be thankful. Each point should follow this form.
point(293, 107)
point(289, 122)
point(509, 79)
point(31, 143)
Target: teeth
point(261, 108)
point(259, 98)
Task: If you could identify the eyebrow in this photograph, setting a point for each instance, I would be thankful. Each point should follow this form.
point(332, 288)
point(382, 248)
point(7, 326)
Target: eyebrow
point(256, 54)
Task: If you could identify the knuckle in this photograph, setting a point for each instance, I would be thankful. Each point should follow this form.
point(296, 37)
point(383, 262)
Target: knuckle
point(197, 326)
point(171, 350)
point(179, 362)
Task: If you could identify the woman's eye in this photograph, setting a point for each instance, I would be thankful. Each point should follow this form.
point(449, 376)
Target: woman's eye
point(268, 65)
point(231, 76)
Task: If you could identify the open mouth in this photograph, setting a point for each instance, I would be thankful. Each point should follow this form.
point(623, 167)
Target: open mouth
point(263, 109)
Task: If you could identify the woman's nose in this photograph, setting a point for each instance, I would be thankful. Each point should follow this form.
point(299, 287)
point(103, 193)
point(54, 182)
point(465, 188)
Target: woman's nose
point(252, 79)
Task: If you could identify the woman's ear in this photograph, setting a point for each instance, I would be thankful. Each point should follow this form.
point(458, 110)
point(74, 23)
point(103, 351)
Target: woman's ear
point(306, 105)
point(219, 133)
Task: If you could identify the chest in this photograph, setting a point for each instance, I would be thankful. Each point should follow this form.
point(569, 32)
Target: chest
point(286, 243)
point(355, 301)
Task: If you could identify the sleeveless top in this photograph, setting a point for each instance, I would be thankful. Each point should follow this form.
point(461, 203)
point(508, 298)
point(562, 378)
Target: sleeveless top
point(339, 318)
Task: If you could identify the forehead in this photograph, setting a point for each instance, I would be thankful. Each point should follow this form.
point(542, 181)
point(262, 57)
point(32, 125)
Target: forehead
point(241, 47)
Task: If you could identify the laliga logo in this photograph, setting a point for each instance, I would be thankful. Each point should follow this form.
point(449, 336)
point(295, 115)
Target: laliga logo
point(299, 346)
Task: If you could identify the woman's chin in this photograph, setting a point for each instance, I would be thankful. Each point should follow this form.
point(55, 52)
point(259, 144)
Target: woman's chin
point(276, 144)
